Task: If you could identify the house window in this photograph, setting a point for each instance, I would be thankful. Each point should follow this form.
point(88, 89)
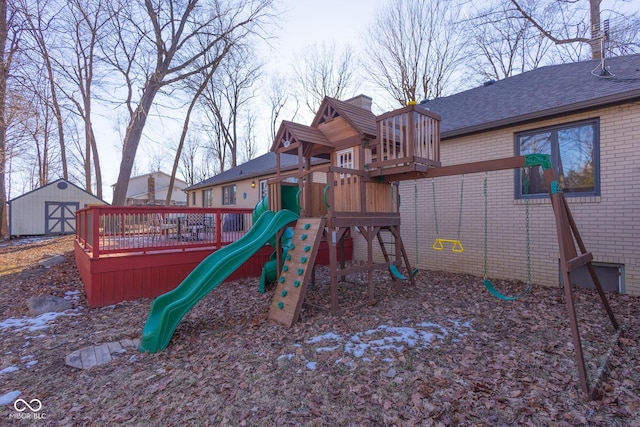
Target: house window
point(193, 198)
point(344, 159)
point(229, 195)
point(575, 154)
point(207, 198)
point(264, 189)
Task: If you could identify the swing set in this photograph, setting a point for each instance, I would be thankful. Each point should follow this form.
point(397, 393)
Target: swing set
point(571, 257)
point(456, 244)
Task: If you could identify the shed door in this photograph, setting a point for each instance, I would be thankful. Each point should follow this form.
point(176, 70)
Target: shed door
point(60, 217)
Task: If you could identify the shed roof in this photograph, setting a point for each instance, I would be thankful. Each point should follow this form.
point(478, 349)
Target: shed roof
point(57, 182)
point(541, 93)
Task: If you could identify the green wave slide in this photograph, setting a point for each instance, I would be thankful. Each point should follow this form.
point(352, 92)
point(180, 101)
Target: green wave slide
point(168, 309)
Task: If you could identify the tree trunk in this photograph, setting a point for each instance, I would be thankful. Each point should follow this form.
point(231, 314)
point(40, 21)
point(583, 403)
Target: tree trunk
point(4, 72)
point(132, 140)
point(183, 136)
point(96, 164)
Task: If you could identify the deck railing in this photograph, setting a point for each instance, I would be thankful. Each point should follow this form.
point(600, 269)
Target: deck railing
point(108, 230)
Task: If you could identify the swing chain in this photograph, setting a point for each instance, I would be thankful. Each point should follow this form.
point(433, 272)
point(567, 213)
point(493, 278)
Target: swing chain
point(460, 209)
point(484, 190)
point(415, 215)
point(526, 209)
point(435, 212)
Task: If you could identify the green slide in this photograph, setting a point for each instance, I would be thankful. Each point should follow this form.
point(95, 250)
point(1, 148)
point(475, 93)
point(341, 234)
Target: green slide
point(168, 309)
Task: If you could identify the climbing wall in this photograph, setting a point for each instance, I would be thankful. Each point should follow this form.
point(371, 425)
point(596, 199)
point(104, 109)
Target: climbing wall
point(296, 271)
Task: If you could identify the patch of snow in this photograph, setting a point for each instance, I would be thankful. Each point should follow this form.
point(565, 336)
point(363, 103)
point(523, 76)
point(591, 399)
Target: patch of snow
point(31, 363)
point(10, 397)
point(29, 356)
point(8, 370)
point(327, 336)
point(72, 295)
point(321, 349)
point(286, 356)
point(311, 365)
point(388, 338)
point(33, 323)
point(25, 241)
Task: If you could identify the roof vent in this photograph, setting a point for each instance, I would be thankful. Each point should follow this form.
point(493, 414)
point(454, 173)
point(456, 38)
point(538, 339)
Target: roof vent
point(488, 82)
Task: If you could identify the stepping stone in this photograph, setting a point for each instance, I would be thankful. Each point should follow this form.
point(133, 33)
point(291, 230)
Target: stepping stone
point(47, 304)
point(94, 355)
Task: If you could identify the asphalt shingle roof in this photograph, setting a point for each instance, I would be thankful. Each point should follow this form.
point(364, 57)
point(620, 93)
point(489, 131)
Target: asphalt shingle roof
point(539, 93)
point(260, 166)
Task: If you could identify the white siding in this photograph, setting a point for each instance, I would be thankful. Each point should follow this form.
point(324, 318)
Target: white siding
point(27, 214)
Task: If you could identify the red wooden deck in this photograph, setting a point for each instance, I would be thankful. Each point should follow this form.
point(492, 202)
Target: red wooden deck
point(125, 253)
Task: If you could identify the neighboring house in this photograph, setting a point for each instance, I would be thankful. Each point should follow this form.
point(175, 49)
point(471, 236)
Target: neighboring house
point(152, 188)
point(589, 122)
point(243, 186)
point(49, 210)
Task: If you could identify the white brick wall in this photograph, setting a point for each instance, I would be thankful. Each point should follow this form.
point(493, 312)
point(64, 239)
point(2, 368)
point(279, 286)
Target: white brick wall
point(609, 224)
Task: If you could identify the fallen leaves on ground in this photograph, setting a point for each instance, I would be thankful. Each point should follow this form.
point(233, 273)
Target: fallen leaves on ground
point(488, 362)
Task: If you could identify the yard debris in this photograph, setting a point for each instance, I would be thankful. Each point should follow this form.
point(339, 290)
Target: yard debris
point(443, 353)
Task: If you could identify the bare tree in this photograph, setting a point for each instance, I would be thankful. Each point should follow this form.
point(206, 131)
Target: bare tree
point(279, 96)
point(579, 23)
point(178, 35)
point(89, 21)
point(248, 146)
point(227, 101)
point(206, 78)
point(504, 43)
point(414, 48)
point(39, 17)
point(323, 70)
point(9, 43)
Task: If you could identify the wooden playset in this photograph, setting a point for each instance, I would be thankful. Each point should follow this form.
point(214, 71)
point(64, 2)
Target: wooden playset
point(357, 192)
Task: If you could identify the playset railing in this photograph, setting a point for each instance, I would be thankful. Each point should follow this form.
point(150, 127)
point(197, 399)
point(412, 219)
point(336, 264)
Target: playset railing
point(334, 191)
point(407, 138)
point(108, 230)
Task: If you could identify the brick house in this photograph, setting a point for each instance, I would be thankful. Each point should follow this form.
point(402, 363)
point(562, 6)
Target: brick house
point(588, 120)
point(243, 186)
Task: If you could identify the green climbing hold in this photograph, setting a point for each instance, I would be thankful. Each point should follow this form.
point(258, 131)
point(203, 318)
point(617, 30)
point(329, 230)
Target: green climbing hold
point(288, 257)
point(284, 293)
point(282, 279)
point(303, 259)
point(300, 271)
point(296, 283)
point(292, 247)
point(285, 268)
point(307, 248)
point(280, 305)
point(303, 237)
point(306, 226)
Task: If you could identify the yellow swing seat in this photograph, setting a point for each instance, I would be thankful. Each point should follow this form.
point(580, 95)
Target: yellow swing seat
point(457, 247)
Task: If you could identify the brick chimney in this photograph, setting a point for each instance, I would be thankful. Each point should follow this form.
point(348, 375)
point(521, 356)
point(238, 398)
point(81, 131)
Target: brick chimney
point(362, 101)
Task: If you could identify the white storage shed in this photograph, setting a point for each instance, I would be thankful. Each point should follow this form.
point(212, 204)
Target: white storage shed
point(49, 210)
